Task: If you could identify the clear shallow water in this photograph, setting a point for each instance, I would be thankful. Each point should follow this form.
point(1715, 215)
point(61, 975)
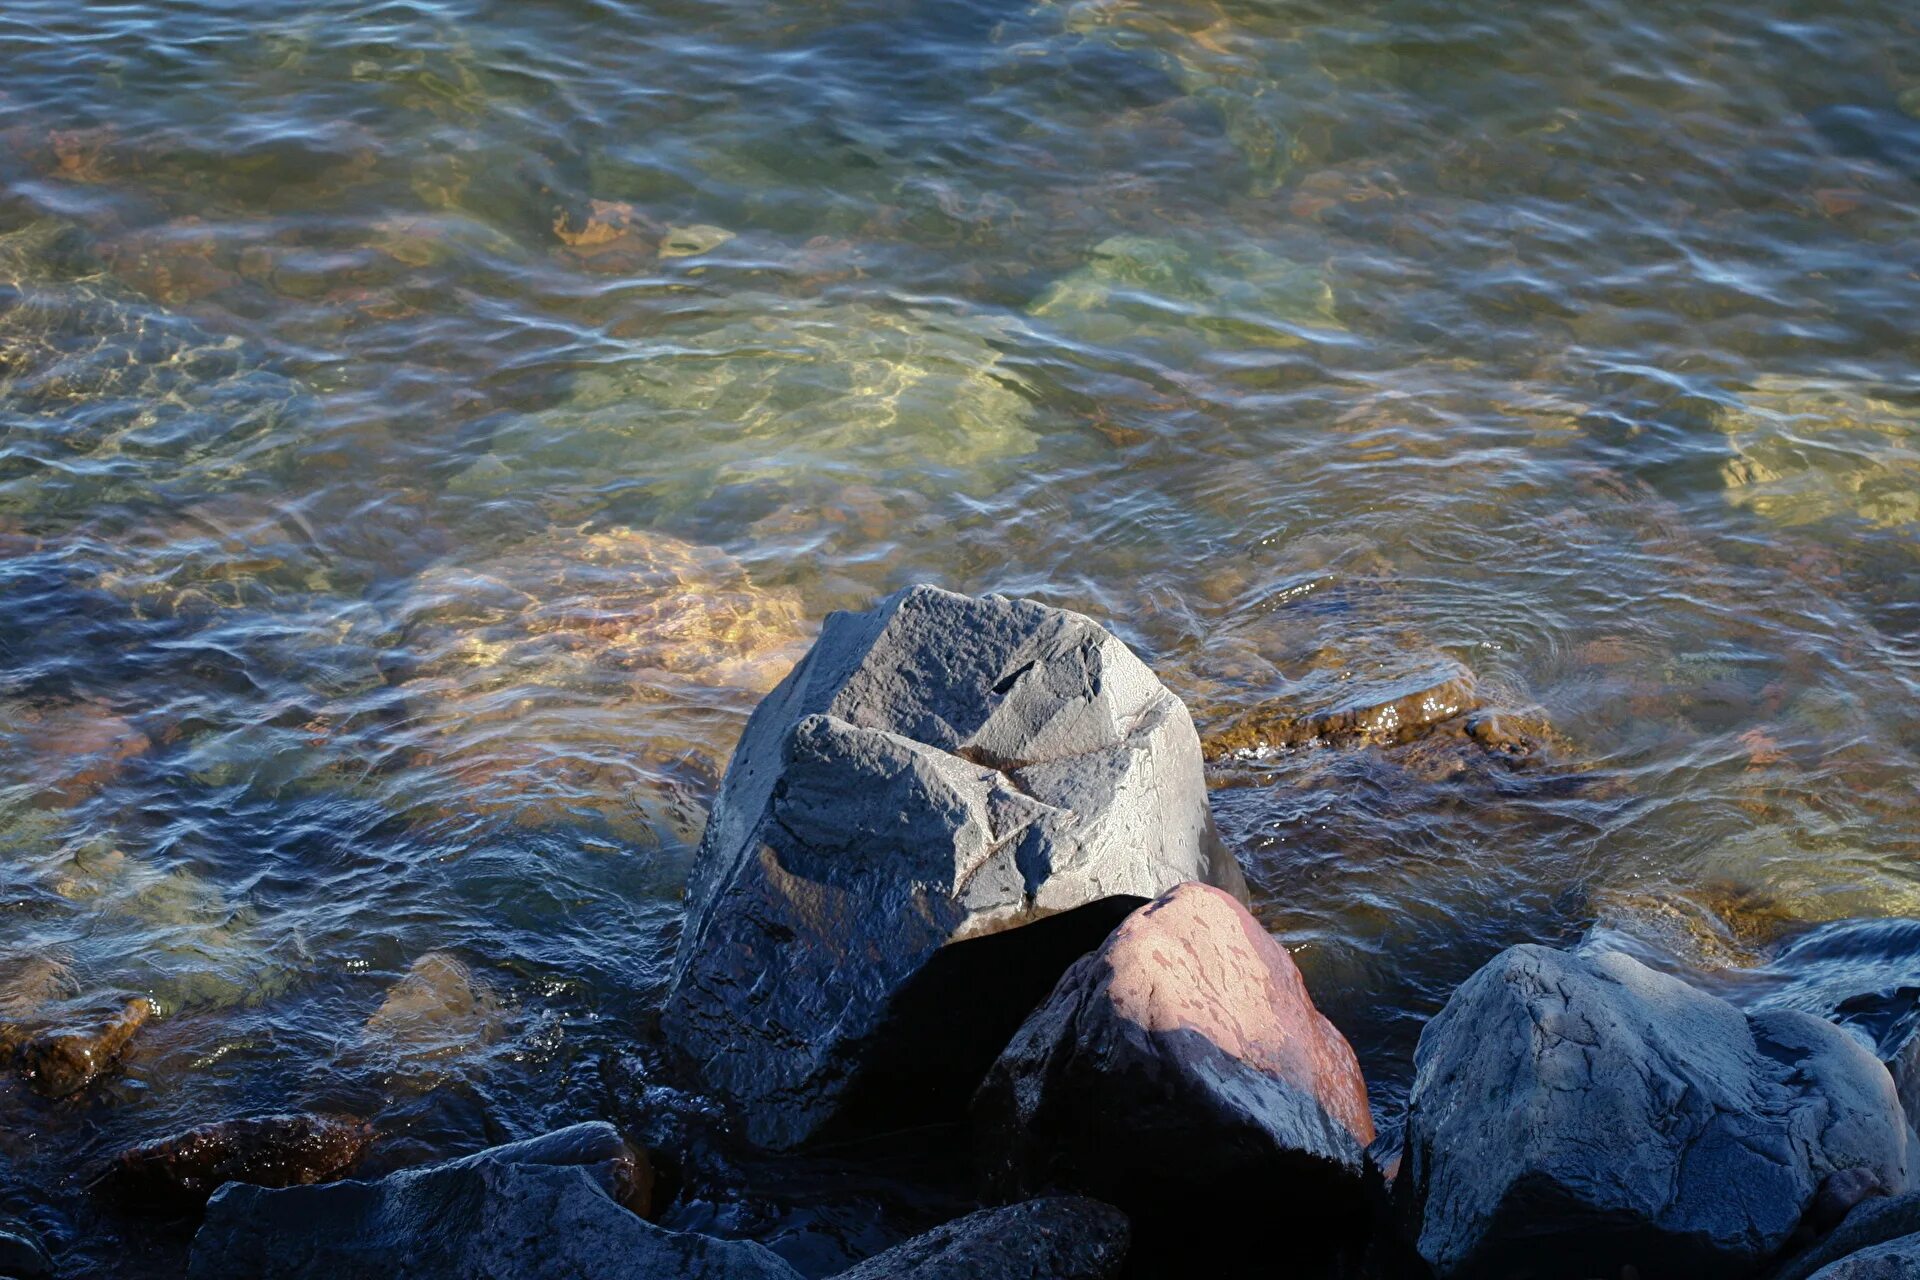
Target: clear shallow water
point(425, 429)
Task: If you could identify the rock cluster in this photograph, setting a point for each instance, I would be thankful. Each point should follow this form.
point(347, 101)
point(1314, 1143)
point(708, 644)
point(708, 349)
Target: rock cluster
point(945, 803)
point(963, 869)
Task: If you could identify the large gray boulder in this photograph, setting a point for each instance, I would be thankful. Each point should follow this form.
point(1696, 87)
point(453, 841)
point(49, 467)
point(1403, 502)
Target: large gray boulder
point(1575, 1114)
point(1052, 1238)
point(1182, 1070)
point(508, 1214)
point(942, 806)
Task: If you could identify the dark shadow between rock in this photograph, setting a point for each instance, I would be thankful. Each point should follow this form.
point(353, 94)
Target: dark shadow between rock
point(946, 1026)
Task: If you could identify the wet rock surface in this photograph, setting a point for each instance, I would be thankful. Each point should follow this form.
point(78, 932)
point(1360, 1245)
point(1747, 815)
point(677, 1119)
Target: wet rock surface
point(944, 803)
point(61, 1061)
point(1574, 1114)
point(498, 1218)
point(1181, 1066)
point(182, 1170)
point(1053, 1238)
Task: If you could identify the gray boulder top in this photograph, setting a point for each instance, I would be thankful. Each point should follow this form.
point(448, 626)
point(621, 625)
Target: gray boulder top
point(939, 769)
point(1572, 1114)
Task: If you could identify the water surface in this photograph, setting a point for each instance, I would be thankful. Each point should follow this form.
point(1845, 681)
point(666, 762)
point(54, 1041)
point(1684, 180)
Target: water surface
point(426, 428)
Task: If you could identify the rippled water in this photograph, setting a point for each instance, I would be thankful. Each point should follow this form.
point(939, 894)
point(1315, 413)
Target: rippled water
point(425, 429)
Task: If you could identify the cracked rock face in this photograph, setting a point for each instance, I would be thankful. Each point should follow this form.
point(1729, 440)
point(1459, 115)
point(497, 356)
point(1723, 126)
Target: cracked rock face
point(1574, 1114)
point(946, 803)
point(1182, 1067)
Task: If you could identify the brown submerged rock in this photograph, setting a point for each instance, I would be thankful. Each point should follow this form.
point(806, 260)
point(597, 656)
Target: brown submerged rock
point(64, 1060)
point(267, 1151)
point(1182, 1067)
point(439, 1009)
point(1380, 712)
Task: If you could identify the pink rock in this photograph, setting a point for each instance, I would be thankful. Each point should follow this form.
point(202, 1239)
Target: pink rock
point(1181, 1065)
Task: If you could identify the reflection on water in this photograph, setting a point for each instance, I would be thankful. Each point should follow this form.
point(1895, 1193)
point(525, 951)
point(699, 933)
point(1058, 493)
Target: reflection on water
point(426, 427)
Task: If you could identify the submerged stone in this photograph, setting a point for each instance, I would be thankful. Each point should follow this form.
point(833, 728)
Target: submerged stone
point(530, 672)
point(63, 1060)
point(946, 802)
point(109, 398)
point(797, 394)
point(267, 1151)
point(1807, 451)
point(1189, 300)
point(437, 1010)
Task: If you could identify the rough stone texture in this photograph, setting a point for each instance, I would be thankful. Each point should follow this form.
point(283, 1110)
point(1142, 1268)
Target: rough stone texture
point(22, 1256)
point(1181, 1065)
point(1392, 710)
point(487, 1217)
point(1894, 1260)
point(63, 1061)
point(1874, 1222)
point(938, 770)
point(1053, 1238)
point(1573, 1114)
point(267, 1151)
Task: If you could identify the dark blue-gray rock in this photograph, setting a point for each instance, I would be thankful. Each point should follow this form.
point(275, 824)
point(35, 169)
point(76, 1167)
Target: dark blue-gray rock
point(533, 1211)
point(22, 1256)
point(1876, 1221)
point(1894, 1260)
point(944, 804)
point(1575, 1114)
point(1052, 1238)
point(1865, 976)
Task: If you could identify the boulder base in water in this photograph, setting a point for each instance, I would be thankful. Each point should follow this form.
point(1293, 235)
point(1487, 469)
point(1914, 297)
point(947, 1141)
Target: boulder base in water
point(945, 803)
point(1181, 1068)
point(1576, 1114)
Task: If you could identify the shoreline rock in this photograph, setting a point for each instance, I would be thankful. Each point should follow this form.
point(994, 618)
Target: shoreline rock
point(935, 779)
point(1182, 1068)
point(1574, 1114)
point(184, 1169)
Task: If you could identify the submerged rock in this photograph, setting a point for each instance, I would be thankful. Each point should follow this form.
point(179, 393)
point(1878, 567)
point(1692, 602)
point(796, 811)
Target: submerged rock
point(1189, 300)
point(265, 1151)
point(944, 804)
point(439, 1009)
point(1384, 713)
point(64, 1060)
point(1054, 1238)
point(111, 398)
point(1181, 1068)
point(1575, 1114)
point(1807, 451)
point(500, 1214)
point(790, 395)
point(529, 670)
